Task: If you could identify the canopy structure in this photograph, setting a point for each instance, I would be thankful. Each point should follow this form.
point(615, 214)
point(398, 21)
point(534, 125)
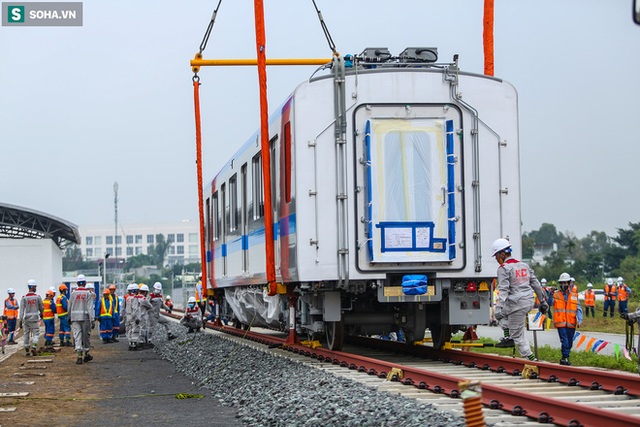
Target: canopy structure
point(21, 223)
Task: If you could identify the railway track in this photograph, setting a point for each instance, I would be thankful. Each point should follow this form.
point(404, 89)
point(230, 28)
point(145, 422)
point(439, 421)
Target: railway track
point(552, 394)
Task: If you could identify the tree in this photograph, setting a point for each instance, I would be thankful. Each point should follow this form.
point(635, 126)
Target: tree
point(160, 250)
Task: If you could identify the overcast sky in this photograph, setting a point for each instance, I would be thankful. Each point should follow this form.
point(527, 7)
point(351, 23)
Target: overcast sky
point(83, 107)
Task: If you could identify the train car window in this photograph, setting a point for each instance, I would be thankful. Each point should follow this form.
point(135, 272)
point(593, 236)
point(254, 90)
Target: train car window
point(244, 203)
point(216, 217)
point(273, 151)
point(258, 192)
point(233, 203)
point(287, 162)
point(207, 220)
point(223, 210)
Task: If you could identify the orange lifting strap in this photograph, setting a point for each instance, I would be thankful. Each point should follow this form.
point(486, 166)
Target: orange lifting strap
point(487, 37)
point(203, 248)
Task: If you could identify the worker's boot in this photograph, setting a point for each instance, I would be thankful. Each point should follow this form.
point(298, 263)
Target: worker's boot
point(79, 361)
point(87, 358)
point(565, 361)
point(506, 343)
point(34, 351)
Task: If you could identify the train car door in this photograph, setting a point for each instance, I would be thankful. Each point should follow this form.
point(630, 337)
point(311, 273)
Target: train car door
point(275, 198)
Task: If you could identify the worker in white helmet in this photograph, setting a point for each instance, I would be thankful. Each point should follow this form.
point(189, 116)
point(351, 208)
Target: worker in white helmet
point(157, 302)
point(516, 281)
point(82, 317)
point(31, 311)
point(568, 315)
point(131, 314)
point(610, 297)
point(192, 318)
point(11, 307)
point(145, 307)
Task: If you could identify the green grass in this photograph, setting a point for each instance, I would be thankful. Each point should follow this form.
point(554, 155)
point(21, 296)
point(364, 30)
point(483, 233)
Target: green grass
point(614, 325)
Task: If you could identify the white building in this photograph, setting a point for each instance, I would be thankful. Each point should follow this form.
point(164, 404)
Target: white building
point(137, 239)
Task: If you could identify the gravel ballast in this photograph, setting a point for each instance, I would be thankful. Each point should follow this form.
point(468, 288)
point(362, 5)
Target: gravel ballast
point(268, 390)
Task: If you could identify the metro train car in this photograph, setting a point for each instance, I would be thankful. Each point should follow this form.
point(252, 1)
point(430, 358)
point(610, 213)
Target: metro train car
point(391, 177)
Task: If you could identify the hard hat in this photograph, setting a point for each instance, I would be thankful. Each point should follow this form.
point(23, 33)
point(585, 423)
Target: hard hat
point(543, 281)
point(500, 245)
point(609, 281)
point(53, 289)
point(106, 291)
point(573, 280)
point(32, 283)
point(589, 285)
point(144, 288)
point(50, 292)
point(157, 285)
point(62, 287)
point(564, 277)
point(112, 287)
point(140, 285)
point(132, 286)
point(168, 297)
point(81, 278)
point(11, 291)
point(191, 299)
point(620, 279)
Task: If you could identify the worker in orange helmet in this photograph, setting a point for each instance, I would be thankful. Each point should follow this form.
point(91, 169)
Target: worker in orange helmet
point(62, 310)
point(49, 318)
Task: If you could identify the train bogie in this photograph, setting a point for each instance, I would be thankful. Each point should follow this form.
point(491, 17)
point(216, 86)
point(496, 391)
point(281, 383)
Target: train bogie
point(387, 188)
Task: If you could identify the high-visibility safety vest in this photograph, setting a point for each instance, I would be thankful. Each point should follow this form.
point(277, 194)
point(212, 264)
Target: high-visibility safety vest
point(589, 298)
point(609, 292)
point(623, 293)
point(115, 301)
point(565, 311)
point(106, 307)
point(61, 305)
point(198, 299)
point(49, 306)
point(11, 313)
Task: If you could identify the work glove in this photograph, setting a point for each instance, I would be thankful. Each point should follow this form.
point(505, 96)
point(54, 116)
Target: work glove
point(499, 315)
point(543, 308)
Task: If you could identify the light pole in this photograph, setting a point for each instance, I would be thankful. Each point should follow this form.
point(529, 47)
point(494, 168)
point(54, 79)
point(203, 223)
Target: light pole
point(104, 270)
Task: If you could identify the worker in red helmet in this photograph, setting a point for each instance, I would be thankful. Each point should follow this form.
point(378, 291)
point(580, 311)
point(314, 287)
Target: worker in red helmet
point(516, 281)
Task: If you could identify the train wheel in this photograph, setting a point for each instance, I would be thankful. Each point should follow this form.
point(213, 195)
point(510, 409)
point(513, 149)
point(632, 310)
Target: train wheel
point(440, 334)
point(334, 334)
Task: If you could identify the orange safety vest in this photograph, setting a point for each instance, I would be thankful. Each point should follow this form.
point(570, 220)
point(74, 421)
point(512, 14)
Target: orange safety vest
point(48, 313)
point(623, 294)
point(104, 311)
point(589, 298)
point(565, 312)
point(609, 289)
point(59, 308)
point(11, 313)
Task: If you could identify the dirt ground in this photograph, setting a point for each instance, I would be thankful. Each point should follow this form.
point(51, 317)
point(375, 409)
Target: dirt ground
point(117, 388)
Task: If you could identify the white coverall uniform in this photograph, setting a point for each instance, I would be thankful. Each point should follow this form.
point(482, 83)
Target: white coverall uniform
point(31, 311)
point(144, 307)
point(82, 315)
point(157, 302)
point(192, 318)
point(516, 281)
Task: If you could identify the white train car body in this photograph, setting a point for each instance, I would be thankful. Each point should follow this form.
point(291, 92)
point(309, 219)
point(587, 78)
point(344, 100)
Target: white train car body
point(383, 174)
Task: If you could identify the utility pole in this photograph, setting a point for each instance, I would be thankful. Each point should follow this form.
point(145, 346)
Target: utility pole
point(115, 235)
